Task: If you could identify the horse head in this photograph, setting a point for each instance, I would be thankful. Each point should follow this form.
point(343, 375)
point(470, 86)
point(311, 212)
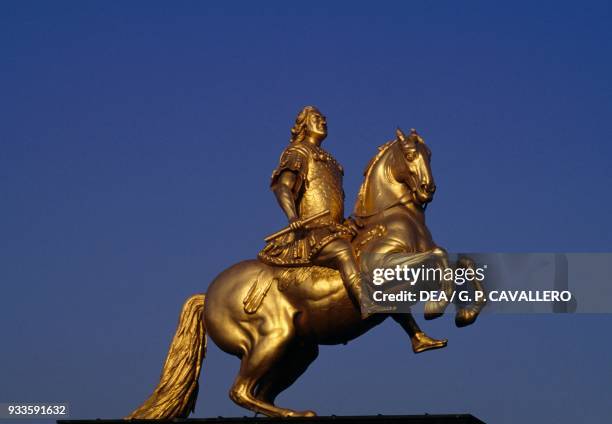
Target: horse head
point(399, 174)
point(417, 174)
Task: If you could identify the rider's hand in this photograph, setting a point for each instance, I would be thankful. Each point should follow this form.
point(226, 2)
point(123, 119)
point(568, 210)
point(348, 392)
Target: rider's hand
point(352, 224)
point(296, 224)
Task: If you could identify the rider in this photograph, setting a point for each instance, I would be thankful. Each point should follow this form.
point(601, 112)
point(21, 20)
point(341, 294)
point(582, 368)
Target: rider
point(308, 181)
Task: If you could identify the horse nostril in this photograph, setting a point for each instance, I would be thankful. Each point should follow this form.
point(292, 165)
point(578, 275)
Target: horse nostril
point(428, 188)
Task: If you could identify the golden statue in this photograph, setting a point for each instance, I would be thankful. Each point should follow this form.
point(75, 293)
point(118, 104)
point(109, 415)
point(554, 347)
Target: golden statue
point(308, 183)
point(308, 286)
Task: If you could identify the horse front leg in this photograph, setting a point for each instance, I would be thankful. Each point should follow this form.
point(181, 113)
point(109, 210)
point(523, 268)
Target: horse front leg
point(466, 315)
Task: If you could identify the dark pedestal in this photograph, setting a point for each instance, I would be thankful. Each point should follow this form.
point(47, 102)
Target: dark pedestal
point(365, 419)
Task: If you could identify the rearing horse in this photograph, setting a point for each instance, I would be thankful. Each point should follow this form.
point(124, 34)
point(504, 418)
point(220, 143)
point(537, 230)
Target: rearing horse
point(274, 318)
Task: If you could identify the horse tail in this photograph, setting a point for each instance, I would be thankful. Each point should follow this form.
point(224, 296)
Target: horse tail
point(176, 393)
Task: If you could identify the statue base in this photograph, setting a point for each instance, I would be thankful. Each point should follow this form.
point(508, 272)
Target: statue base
point(333, 419)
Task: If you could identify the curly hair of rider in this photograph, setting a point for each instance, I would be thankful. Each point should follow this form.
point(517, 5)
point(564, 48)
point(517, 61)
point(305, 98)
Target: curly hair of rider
point(298, 131)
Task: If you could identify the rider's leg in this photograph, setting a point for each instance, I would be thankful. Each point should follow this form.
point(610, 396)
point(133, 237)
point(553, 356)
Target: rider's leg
point(420, 341)
point(339, 254)
point(435, 308)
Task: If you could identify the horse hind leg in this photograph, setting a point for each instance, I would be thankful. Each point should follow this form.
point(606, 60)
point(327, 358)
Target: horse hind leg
point(263, 356)
point(294, 363)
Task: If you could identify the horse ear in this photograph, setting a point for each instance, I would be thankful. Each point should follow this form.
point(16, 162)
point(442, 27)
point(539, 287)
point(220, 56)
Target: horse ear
point(400, 134)
point(415, 136)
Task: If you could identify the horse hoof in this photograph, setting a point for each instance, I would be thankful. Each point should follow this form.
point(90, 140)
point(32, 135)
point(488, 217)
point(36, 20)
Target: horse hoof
point(295, 414)
point(465, 317)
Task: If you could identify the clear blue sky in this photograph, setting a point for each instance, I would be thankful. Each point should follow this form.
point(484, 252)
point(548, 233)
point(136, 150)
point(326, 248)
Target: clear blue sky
point(136, 144)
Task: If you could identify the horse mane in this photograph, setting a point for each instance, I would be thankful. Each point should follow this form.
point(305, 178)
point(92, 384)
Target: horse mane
point(366, 173)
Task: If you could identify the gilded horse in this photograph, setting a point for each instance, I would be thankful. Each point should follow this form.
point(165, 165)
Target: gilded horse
point(274, 318)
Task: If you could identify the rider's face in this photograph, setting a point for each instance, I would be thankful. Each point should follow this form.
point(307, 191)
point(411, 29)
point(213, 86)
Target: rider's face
point(317, 125)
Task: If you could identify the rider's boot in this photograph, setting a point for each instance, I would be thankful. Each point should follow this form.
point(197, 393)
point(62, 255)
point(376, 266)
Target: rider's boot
point(422, 342)
point(358, 291)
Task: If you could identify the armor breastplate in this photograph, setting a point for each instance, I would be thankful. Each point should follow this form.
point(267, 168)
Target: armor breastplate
point(323, 187)
point(318, 187)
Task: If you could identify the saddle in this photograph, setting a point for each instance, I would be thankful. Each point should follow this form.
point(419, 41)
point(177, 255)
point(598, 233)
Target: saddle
point(302, 274)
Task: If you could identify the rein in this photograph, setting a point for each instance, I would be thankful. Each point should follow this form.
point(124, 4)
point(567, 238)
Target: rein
point(400, 202)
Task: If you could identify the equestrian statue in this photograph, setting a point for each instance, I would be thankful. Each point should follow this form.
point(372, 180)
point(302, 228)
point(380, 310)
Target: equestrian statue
point(310, 285)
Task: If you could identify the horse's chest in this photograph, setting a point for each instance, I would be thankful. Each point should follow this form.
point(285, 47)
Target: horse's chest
point(404, 232)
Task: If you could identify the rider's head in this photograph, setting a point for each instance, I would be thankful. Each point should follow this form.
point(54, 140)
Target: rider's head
point(310, 125)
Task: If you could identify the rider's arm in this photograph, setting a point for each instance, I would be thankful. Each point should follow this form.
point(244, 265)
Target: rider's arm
point(283, 190)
